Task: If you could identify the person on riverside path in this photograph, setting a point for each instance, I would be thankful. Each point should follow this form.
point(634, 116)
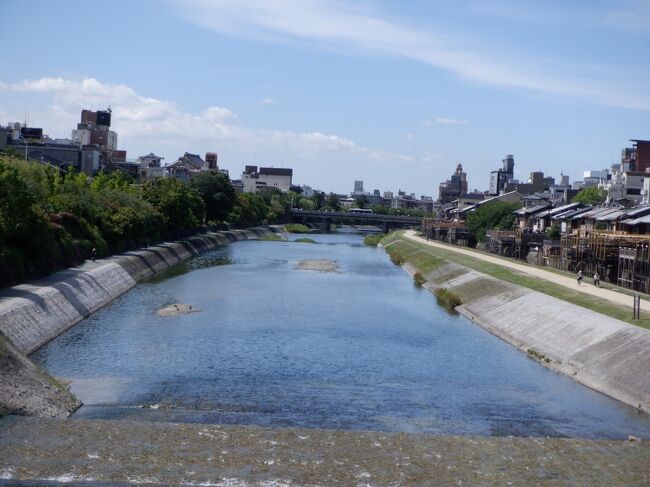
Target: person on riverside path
point(596, 279)
point(93, 254)
point(580, 278)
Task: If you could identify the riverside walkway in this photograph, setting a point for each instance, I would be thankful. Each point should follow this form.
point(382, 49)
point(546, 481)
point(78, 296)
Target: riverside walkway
point(537, 272)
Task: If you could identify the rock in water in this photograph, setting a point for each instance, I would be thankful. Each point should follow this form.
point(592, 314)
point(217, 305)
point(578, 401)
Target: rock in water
point(177, 309)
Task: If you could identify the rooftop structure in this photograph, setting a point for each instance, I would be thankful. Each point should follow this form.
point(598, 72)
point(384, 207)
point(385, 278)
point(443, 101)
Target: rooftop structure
point(255, 180)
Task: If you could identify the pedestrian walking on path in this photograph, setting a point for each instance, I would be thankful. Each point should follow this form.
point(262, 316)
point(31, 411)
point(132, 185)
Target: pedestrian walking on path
point(596, 279)
point(93, 254)
point(580, 277)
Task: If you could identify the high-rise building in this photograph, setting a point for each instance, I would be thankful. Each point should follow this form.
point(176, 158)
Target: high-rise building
point(454, 187)
point(641, 155)
point(358, 186)
point(500, 177)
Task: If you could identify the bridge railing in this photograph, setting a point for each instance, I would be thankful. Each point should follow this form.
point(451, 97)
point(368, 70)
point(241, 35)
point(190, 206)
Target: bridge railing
point(357, 216)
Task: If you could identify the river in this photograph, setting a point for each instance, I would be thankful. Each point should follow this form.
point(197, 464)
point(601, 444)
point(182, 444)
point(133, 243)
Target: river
point(360, 348)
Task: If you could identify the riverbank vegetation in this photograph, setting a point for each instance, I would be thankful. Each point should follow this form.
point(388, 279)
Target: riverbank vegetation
point(373, 240)
point(297, 228)
point(497, 214)
point(51, 219)
point(419, 279)
point(305, 240)
point(426, 259)
point(447, 298)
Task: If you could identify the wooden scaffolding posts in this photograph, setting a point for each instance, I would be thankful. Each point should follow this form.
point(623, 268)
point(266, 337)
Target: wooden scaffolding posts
point(618, 258)
point(450, 232)
point(634, 267)
point(513, 243)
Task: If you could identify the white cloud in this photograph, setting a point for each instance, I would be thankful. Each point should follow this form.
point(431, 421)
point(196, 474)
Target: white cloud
point(450, 121)
point(267, 101)
point(150, 124)
point(355, 27)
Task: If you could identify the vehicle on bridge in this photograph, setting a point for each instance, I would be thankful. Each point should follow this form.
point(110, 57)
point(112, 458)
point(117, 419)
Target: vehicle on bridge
point(362, 211)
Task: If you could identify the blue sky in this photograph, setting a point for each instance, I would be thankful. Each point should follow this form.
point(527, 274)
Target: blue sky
point(393, 93)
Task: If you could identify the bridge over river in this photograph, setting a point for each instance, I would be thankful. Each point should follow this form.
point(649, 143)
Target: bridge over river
point(325, 219)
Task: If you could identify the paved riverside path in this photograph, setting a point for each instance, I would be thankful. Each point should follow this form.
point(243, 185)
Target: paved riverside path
point(570, 282)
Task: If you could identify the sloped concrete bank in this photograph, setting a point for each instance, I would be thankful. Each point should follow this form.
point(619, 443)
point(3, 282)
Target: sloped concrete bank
point(605, 354)
point(33, 314)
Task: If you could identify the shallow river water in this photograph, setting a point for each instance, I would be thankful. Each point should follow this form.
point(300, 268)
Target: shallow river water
point(273, 345)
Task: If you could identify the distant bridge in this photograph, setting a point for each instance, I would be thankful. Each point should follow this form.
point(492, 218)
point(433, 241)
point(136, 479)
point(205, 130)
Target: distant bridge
point(325, 219)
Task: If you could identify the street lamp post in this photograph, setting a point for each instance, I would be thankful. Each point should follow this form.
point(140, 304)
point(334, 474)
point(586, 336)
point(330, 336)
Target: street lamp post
point(26, 146)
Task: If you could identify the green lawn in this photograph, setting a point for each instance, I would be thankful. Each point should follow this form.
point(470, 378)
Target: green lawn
point(427, 258)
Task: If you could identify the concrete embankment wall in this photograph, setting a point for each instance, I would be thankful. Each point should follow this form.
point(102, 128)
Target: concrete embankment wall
point(603, 353)
point(33, 314)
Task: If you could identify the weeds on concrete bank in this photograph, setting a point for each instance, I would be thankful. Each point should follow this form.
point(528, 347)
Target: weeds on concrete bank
point(419, 279)
point(373, 240)
point(273, 237)
point(447, 298)
point(305, 240)
point(539, 356)
point(296, 228)
point(396, 257)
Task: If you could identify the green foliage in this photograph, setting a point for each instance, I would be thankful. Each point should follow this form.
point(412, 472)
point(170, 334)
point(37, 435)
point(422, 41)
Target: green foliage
point(274, 238)
point(306, 204)
point(333, 202)
point(362, 201)
point(447, 298)
point(593, 195)
point(249, 209)
point(373, 240)
point(419, 279)
point(217, 193)
point(305, 240)
point(540, 357)
point(396, 257)
point(319, 200)
point(179, 205)
point(553, 232)
point(296, 228)
point(50, 220)
point(496, 214)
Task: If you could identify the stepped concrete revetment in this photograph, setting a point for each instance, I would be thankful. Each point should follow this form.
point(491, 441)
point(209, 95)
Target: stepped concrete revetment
point(603, 353)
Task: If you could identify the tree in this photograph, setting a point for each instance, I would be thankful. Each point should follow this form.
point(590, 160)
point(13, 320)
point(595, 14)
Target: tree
point(217, 193)
point(180, 205)
point(249, 209)
point(362, 201)
point(496, 214)
point(334, 202)
point(593, 195)
point(22, 221)
point(553, 232)
point(319, 200)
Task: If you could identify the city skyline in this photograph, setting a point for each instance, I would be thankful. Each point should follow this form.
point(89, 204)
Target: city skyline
point(394, 96)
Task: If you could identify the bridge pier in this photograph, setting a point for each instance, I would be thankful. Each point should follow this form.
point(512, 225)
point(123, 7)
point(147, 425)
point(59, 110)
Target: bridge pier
point(325, 225)
point(385, 227)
